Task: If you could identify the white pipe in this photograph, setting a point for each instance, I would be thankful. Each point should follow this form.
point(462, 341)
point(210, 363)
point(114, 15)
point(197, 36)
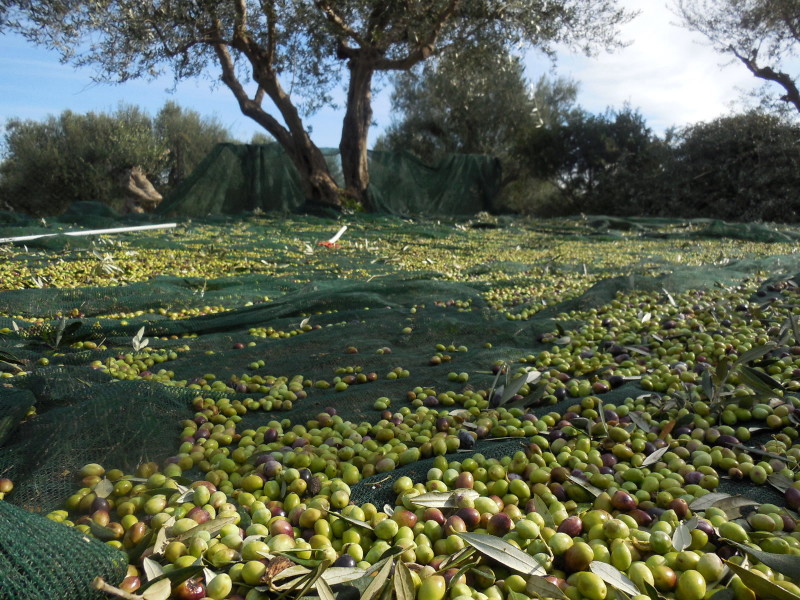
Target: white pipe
point(25, 238)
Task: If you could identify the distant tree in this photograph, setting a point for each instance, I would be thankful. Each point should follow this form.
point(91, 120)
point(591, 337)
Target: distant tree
point(60, 160)
point(260, 47)
point(741, 167)
point(474, 102)
point(187, 137)
point(764, 35)
point(261, 138)
point(471, 102)
point(599, 163)
point(72, 157)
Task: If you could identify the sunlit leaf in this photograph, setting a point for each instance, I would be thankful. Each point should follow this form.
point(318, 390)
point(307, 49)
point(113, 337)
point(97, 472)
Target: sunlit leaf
point(376, 587)
point(504, 553)
point(786, 564)
point(443, 499)
point(763, 587)
point(158, 591)
point(654, 457)
point(541, 587)
point(682, 537)
point(403, 582)
point(614, 577)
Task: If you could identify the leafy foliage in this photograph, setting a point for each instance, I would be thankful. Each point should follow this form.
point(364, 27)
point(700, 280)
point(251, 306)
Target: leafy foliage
point(597, 163)
point(740, 168)
point(73, 157)
point(50, 164)
point(188, 137)
point(478, 101)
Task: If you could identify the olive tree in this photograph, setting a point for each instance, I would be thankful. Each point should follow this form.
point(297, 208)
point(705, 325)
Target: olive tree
point(764, 35)
point(187, 137)
point(282, 59)
point(477, 101)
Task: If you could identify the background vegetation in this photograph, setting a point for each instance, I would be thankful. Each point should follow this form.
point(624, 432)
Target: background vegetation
point(71, 157)
point(558, 159)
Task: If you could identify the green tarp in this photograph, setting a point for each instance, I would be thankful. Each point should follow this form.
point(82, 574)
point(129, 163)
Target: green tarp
point(236, 178)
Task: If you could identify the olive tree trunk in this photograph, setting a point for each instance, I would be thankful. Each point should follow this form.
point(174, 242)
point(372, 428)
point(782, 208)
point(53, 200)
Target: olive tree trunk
point(355, 128)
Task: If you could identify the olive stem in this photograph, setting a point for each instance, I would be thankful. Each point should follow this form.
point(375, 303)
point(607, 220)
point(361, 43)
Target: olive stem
point(99, 584)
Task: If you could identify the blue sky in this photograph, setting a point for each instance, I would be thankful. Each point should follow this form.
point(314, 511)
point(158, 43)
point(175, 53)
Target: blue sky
point(666, 72)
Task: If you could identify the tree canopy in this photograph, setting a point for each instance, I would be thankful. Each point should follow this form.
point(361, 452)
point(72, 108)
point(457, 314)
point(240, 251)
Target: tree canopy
point(764, 35)
point(70, 157)
point(281, 59)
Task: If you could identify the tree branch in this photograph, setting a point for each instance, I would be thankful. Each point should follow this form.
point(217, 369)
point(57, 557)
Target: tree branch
point(241, 19)
point(337, 20)
point(250, 107)
point(792, 95)
point(423, 49)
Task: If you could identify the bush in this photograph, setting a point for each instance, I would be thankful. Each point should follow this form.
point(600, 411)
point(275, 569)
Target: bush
point(50, 164)
point(740, 168)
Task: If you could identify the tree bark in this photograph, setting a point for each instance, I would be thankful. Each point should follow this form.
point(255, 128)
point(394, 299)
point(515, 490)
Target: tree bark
point(316, 180)
point(355, 128)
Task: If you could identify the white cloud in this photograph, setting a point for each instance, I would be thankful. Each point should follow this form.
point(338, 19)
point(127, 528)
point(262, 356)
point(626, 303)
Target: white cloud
point(666, 72)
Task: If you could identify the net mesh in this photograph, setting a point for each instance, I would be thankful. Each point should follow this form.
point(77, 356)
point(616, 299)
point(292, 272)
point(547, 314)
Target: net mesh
point(309, 314)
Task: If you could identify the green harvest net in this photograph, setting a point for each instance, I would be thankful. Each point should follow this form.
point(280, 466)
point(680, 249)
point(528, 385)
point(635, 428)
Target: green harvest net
point(279, 305)
point(234, 178)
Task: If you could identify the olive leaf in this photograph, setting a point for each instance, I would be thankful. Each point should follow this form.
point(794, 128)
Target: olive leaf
point(755, 353)
point(104, 488)
point(707, 501)
point(213, 527)
point(780, 482)
point(388, 510)
point(594, 491)
point(541, 587)
point(176, 575)
point(542, 509)
point(376, 586)
point(650, 590)
point(159, 591)
point(443, 499)
point(763, 587)
point(151, 568)
point(787, 564)
point(161, 536)
point(352, 520)
point(682, 538)
point(403, 582)
point(314, 577)
point(640, 422)
point(614, 577)
point(732, 506)
point(295, 574)
point(758, 452)
point(516, 385)
point(454, 559)
point(654, 457)
point(324, 590)
point(759, 381)
point(504, 553)
point(208, 575)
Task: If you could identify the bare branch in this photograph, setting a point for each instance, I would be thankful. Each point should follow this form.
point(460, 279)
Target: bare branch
point(792, 95)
